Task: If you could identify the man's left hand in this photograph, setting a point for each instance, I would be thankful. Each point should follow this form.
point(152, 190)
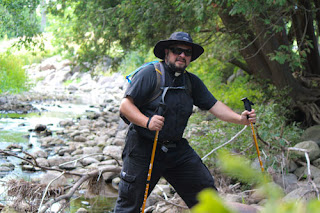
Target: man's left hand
point(244, 117)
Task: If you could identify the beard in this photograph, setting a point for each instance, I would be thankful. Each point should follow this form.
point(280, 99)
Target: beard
point(175, 68)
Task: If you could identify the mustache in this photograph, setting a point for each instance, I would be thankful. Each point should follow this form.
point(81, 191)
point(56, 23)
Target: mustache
point(181, 59)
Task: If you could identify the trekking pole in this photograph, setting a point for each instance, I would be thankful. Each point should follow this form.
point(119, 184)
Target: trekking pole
point(247, 106)
point(155, 141)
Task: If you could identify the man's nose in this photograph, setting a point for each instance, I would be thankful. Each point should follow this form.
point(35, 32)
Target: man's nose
point(182, 54)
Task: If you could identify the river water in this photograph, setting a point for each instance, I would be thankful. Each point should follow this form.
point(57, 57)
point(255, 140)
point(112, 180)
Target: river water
point(15, 130)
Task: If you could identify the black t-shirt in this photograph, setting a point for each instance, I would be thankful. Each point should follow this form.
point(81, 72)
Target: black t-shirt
point(144, 83)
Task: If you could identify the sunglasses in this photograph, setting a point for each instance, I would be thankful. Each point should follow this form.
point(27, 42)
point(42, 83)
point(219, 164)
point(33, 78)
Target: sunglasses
point(178, 51)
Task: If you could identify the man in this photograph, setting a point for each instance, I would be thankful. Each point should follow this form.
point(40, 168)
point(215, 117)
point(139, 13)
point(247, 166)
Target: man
point(175, 160)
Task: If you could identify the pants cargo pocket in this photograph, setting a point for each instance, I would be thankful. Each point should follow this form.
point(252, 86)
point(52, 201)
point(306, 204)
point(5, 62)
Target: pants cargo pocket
point(126, 184)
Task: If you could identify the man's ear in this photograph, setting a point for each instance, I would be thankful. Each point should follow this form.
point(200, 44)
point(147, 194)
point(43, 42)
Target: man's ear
point(166, 53)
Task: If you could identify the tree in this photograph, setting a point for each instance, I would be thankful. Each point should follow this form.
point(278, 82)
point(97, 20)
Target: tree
point(268, 41)
point(276, 41)
point(18, 19)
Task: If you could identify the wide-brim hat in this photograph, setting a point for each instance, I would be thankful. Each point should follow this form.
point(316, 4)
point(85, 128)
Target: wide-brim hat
point(177, 37)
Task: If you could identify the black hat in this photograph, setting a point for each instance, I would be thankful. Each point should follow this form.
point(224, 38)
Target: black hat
point(178, 37)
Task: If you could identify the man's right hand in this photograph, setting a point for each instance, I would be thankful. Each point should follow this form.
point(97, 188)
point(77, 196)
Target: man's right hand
point(156, 123)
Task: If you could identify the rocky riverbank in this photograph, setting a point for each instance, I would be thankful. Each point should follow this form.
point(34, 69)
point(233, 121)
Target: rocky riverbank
point(96, 142)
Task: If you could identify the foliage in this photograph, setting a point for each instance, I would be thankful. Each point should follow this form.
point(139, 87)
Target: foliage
point(95, 26)
point(135, 59)
point(12, 62)
point(209, 201)
point(18, 19)
point(206, 133)
point(13, 78)
point(265, 39)
point(239, 168)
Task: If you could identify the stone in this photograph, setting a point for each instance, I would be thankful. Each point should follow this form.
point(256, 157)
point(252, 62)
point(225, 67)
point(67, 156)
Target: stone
point(40, 127)
point(311, 146)
point(288, 182)
point(91, 150)
point(114, 151)
point(80, 138)
point(82, 210)
point(312, 133)
point(305, 193)
point(89, 160)
point(59, 180)
point(40, 154)
point(66, 123)
point(43, 162)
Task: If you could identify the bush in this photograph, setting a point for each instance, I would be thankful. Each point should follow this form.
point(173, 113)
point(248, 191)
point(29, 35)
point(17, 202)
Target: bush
point(239, 168)
point(13, 78)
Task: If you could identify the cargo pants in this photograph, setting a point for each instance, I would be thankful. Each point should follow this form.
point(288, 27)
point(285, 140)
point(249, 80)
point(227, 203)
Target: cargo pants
point(177, 162)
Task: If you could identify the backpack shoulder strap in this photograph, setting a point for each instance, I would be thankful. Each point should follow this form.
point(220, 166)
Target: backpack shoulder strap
point(188, 83)
point(160, 71)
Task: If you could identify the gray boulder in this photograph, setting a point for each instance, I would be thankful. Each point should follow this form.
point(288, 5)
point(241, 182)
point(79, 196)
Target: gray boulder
point(312, 134)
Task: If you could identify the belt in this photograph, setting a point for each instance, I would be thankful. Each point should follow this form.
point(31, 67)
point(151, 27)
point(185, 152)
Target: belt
point(166, 145)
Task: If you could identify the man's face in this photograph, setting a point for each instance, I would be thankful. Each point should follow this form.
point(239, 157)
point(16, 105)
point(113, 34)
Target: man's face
point(178, 57)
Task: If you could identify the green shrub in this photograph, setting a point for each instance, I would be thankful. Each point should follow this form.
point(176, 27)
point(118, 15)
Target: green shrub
point(206, 133)
point(13, 78)
point(239, 168)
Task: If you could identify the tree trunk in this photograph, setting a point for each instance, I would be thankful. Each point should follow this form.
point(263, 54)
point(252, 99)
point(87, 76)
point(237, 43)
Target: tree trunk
point(306, 39)
point(257, 47)
point(43, 15)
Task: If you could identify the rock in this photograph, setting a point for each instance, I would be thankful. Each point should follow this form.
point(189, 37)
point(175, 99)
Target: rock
point(232, 198)
point(40, 127)
point(91, 150)
point(305, 193)
point(82, 210)
point(85, 122)
point(72, 88)
point(15, 147)
point(114, 151)
point(40, 154)
point(159, 189)
point(109, 176)
point(43, 162)
point(56, 160)
point(291, 166)
point(242, 208)
point(115, 182)
point(29, 168)
point(66, 123)
point(47, 177)
point(288, 182)
point(311, 146)
point(4, 169)
point(80, 138)
point(312, 134)
point(303, 172)
point(47, 67)
point(99, 123)
point(8, 209)
point(89, 160)
point(316, 163)
point(65, 150)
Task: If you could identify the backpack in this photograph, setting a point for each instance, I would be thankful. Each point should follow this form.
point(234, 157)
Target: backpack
point(160, 89)
point(160, 71)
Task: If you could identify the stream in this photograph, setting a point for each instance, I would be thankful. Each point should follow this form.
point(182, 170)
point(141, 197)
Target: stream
point(15, 131)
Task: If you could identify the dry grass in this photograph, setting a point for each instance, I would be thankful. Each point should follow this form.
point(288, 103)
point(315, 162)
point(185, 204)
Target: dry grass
point(27, 195)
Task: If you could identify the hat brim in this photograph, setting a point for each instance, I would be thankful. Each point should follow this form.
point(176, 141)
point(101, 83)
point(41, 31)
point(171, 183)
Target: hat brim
point(159, 48)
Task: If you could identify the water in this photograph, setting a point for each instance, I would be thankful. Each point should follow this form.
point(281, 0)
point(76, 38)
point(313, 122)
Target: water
point(16, 129)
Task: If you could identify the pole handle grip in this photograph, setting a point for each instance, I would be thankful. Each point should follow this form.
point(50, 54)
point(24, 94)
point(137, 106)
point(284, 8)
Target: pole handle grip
point(247, 104)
